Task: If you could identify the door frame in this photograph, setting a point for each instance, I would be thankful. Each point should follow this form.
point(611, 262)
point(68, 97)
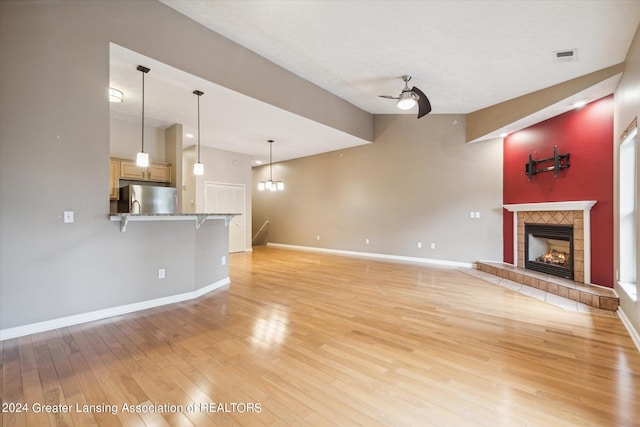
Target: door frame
point(207, 184)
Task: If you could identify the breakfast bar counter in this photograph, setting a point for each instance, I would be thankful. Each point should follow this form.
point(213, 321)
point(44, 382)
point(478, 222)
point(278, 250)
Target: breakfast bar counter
point(199, 218)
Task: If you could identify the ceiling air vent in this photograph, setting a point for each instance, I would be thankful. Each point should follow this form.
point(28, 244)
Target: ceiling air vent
point(565, 55)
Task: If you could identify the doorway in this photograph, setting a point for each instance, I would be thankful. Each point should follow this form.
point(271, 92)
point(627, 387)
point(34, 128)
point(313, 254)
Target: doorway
point(228, 198)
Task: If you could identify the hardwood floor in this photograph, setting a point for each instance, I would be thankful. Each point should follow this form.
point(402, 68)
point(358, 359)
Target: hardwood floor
point(302, 338)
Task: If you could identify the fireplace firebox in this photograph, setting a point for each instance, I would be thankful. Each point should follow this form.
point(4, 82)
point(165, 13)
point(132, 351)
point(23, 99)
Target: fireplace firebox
point(549, 249)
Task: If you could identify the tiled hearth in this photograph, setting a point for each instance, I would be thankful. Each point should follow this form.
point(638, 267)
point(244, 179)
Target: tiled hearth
point(594, 296)
point(579, 293)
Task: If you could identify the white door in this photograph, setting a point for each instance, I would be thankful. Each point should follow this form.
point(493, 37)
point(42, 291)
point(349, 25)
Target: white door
point(235, 203)
point(228, 198)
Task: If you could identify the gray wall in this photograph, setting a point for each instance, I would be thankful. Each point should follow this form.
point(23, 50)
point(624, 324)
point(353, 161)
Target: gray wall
point(54, 150)
point(220, 166)
point(626, 109)
point(125, 137)
point(418, 181)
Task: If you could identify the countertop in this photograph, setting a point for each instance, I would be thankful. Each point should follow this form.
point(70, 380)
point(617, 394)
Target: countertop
point(200, 218)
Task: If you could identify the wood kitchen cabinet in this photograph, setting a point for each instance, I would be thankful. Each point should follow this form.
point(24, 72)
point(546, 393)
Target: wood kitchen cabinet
point(157, 172)
point(127, 169)
point(114, 178)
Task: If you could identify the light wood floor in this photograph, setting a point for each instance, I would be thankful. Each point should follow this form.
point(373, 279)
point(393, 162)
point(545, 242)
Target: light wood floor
point(314, 339)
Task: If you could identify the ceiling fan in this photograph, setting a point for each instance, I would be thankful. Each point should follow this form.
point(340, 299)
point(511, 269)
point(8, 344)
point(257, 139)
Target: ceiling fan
point(409, 97)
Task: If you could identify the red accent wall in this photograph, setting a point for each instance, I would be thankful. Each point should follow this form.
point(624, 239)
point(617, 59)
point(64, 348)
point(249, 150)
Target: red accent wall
point(587, 135)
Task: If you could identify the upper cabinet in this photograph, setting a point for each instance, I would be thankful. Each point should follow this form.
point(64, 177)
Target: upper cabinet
point(157, 172)
point(114, 175)
point(127, 169)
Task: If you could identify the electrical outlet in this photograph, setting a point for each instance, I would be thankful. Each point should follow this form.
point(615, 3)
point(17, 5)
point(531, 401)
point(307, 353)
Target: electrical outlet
point(161, 273)
point(318, 237)
point(472, 214)
point(224, 260)
point(68, 217)
point(477, 214)
point(366, 241)
point(419, 245)
point(433, 245)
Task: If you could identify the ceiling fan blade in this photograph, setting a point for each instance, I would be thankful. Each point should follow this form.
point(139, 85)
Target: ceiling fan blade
point(388, 97)
point(424, 106)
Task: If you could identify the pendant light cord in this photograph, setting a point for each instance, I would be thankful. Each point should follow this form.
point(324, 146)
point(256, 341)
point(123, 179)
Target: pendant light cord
point(199, 94)
point(198, 128)
point(270, 161)
point(144, 71)
point(143, 111)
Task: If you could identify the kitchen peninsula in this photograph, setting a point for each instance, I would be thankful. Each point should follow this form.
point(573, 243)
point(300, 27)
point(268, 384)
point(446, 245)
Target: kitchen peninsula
point(200, 218)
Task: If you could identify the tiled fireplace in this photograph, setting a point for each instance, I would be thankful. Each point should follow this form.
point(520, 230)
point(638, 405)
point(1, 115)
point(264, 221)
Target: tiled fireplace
point(575, 214)
point(572, 243)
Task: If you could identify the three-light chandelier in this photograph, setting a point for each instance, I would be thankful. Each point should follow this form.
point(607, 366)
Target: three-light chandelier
point(270, 185)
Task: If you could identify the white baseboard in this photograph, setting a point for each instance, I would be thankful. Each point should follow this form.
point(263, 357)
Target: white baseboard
point(632, 331)
point(77, 319)
point(374, 255)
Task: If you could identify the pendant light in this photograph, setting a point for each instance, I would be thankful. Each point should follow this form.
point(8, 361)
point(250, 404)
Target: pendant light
point(270, 185)
point(198, 168)
point(142, 159)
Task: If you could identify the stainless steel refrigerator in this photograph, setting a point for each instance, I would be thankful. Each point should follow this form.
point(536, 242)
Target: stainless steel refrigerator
point(148, 199)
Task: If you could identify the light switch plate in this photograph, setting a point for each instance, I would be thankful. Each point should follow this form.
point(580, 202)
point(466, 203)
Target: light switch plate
point(68, 217)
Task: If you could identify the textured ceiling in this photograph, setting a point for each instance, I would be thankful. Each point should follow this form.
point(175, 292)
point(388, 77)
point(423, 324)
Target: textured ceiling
point(465, 55)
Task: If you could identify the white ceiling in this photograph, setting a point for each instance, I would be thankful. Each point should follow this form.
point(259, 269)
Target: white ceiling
point(465, 55)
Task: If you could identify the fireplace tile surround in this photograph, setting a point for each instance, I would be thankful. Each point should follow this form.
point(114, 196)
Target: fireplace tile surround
point(573, 218)
point(576, 213)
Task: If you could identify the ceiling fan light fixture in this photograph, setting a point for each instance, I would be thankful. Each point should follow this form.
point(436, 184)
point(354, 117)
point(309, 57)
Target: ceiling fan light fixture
point(406, 101)
point(409, 97)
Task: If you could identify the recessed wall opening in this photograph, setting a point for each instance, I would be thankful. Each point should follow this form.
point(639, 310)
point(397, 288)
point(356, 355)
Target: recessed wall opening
point(549, 249)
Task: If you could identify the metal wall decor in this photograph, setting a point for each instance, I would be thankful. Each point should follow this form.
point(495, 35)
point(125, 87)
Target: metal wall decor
point(560, 161)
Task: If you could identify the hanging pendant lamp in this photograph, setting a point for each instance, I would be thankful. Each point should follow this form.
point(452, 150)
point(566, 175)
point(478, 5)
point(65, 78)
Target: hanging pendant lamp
point(198, 168)
point(270, 185)
point(142, 159)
